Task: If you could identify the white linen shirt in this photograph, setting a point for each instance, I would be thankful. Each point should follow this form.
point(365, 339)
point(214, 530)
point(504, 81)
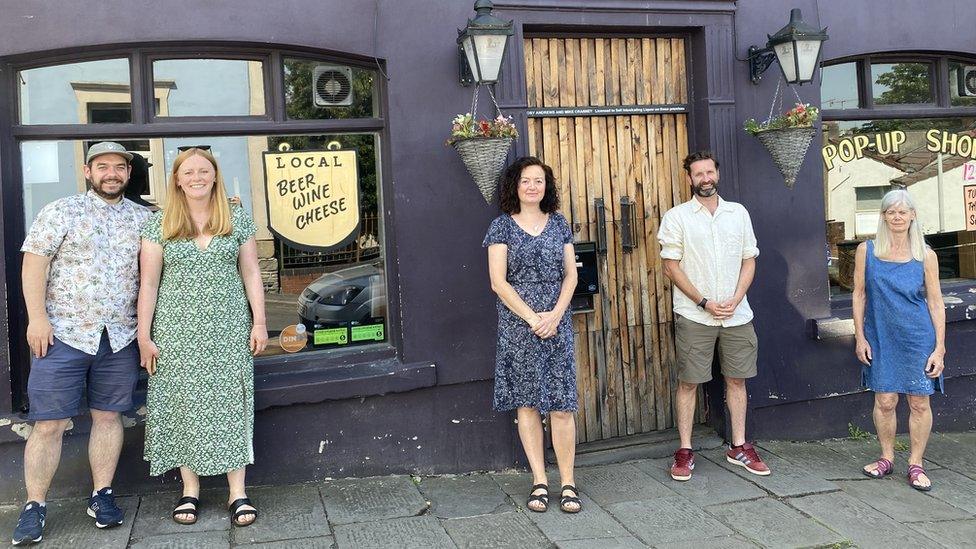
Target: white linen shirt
point(710, 249)
point(93, 281)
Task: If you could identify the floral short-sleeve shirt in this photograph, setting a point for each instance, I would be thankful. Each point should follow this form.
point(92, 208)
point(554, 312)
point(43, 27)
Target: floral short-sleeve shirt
point(93, 280)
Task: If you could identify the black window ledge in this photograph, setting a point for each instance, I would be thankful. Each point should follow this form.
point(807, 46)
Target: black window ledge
point(960, 306)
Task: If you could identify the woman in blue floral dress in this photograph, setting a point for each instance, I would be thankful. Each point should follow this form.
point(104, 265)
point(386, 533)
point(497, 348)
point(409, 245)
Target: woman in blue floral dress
point(532, 266)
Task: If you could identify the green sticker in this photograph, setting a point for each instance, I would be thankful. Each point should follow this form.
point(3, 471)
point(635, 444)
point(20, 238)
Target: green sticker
point(371, 332)
point(330, 336)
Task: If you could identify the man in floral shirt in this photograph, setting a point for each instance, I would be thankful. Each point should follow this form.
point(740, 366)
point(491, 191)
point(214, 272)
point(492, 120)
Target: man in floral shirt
point(81, 280)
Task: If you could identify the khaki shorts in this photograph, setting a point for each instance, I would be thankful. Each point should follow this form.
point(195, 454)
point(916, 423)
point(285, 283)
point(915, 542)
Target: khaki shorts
point(695, 346)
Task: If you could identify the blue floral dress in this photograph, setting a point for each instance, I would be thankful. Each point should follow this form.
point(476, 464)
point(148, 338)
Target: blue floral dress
point(530, 371)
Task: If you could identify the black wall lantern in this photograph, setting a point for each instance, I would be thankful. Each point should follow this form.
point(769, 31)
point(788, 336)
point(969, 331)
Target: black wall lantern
point(796, 46)
point(482, 45)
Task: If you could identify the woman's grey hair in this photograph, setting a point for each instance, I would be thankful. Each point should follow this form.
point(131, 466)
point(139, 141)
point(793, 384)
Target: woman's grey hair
point(882, 240)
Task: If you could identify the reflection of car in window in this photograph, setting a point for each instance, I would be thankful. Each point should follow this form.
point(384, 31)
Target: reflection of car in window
point(355, 294)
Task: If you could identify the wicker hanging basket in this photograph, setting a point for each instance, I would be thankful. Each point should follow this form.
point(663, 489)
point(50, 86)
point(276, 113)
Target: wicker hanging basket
point(788, 147)
point(484, 157)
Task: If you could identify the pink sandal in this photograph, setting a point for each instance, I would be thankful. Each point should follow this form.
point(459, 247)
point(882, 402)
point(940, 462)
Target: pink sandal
point(914, 471)
point(883, 469)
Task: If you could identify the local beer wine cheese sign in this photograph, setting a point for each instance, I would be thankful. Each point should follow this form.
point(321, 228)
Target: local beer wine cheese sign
point(313, 197)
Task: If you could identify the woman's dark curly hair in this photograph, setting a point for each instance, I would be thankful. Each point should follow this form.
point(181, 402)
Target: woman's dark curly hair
point(510, 181)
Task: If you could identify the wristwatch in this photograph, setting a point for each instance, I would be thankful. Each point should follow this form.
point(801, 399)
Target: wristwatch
point(701, 304)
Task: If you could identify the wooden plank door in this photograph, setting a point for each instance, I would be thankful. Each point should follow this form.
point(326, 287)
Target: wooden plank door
point(625, 347)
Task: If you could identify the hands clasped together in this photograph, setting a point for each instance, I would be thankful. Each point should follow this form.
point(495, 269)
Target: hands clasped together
point(545, 324)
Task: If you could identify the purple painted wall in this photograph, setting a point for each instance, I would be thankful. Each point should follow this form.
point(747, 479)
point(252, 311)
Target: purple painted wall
point(438, 217)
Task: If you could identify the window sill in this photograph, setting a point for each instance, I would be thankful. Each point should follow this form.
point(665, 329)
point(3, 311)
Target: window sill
point(960, 305)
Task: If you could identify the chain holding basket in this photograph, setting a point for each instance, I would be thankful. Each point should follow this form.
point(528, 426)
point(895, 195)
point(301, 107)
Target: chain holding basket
point(483, 145)
point(787, 137)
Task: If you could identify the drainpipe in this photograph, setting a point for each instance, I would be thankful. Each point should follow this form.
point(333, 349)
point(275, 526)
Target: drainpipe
point(941, 192)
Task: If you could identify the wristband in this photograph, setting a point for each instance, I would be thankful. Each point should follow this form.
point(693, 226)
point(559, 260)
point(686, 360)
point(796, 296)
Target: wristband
point(701, 304)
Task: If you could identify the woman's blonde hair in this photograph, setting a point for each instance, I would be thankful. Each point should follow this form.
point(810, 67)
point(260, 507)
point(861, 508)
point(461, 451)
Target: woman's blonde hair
point(882, 241)
point(177, 224)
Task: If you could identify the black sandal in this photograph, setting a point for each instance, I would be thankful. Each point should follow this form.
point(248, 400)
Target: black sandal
point(236, 512)
point(541, 498)
point(563, 500)
point(192, 511)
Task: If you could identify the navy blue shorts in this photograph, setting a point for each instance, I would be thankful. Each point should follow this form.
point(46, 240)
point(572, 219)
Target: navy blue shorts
point(57, 382)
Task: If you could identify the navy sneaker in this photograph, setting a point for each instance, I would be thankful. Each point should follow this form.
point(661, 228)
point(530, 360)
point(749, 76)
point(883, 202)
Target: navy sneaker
point(103, 509)
point(30, 527)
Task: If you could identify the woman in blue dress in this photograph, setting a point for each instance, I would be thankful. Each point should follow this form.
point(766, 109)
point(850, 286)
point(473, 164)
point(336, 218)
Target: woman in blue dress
point(532, 266)
point(899, 327)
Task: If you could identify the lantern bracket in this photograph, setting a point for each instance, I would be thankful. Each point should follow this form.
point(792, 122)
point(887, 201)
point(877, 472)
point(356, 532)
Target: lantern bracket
point(759, 60)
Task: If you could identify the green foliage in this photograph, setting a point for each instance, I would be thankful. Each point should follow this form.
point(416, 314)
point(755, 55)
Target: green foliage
point(907, 83)
point(856, 433)
point(802, 115)
point(464, 126)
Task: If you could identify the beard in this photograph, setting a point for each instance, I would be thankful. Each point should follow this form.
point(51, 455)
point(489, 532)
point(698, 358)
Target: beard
point(98, 188)
point(705, 193)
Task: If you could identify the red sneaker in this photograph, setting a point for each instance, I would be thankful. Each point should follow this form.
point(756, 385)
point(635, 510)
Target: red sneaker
point(747, 457)
point(684, 463)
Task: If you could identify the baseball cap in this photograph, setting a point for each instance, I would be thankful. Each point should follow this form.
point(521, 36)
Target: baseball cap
point(106, 147)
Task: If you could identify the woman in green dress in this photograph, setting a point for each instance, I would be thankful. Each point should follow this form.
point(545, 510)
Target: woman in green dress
point(201, 321)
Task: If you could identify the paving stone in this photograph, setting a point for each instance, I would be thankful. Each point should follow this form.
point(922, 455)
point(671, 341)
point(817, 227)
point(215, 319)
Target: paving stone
point(867, 450)
point(188, 540)
point(286, 512)
point(726, 542)
point(953, 488)
point(323, 542)
point(667, 519)
point(406, 533)
point(786, 479)
point(591, 522)
point(464, 496)
point(709, 485)
point(498, 531)
point(627, 542)
point(156, 515)
point(956, 533)
point(858, 522)
point(773, 524)
point(376, 498)
point(608, 484)
point(69, 526)
point(818, 459)
point(895, 498)
point(954, 451)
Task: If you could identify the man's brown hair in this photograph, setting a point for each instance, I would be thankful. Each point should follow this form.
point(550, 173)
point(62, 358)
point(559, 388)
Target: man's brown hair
point(696, 156)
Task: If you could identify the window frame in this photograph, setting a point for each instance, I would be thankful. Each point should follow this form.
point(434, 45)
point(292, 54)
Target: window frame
point(867, 110)
point(145, 125)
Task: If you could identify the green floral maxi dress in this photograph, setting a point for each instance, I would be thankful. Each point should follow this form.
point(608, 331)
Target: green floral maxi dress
point(200, 403)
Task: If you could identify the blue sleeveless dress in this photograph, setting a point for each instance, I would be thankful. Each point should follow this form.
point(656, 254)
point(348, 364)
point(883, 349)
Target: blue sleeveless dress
point(898, 327)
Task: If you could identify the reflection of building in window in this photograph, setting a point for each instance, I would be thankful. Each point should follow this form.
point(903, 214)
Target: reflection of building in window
point(111, 103)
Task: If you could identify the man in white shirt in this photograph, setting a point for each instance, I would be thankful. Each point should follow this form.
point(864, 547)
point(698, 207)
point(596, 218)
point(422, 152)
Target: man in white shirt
point(709, 252)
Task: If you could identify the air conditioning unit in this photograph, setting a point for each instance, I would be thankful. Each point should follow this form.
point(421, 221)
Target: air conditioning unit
point(331, 86)
point(966, 83)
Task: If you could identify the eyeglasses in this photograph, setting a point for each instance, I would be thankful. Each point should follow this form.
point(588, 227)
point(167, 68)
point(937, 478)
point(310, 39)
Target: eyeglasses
point(185, 148)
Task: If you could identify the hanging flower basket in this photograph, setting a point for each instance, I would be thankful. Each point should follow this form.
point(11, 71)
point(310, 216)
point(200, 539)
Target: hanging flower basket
point(787, 137)
point(484, 157)
point(483, 146)
point(788, 147)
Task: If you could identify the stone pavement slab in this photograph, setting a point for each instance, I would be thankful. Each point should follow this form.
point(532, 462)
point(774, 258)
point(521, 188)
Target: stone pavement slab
point(498, 531)
point(375, 498)
point(285, 513)
point(725, 542)
point(773, 524)
point(628, 542)
point(186, 540)
point(786, 479)
point(956, 533)
point(864, 451)
point(464, 496)
point(69, 526)
point(954, 451)
point(407, 533)
point(323, 542)
point(895, 498)
point(709, 485)
point(607, 484)
point(953, 488)
point(817, 459)
point(591, 522)
point(667, 519)
point(156, 514)
point(857, 521)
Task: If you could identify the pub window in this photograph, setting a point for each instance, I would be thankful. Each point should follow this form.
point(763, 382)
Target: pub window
point(331, 293)
point(932, 154)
